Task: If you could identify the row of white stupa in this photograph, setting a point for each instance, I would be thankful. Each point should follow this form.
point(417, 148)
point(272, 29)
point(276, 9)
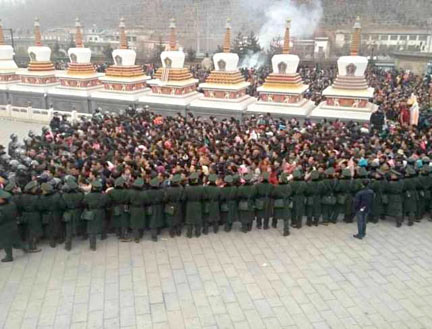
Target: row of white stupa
point(224, 91)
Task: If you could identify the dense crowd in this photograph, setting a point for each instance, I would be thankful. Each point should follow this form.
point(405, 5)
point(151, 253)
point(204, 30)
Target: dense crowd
point(137, 171)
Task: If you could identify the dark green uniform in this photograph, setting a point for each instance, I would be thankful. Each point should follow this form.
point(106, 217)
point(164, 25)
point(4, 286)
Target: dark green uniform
point(378, 185)
point(138, 200)
point(211, 207)
point(194, 194)
point(345, 189)
point(73, 204)
point(95, 203)
point(119, 199)
point(313, 201)
point(394, 191)
point(329, 201)
point(228, 203)
point(9, 236)
point(246, 204)
point(29, 205)
point(423, 191)
point(155, 211)
point(282, 203)
point(51, 208)
point(299, 188)
point(263, 202)
point(410, 197)
point(174, 198)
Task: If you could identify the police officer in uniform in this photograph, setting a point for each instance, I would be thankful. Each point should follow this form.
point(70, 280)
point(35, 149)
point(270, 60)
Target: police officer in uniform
point(211, 205)
point(194, 194)
point(51, 211)
point(29, 207)
point(156, 208)
point(73, 199)
point(9, 236)
point(95, 203)
point(394, 191)
point(313, 201)
point(119, 199)
point(228, 205)
point(282, 203)
point(138, 199)
point(299, 187)
point(174, 197)
point(246, 194)
point(263, 201)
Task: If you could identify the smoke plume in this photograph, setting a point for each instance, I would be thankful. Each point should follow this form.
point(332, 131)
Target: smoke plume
point(304, 17)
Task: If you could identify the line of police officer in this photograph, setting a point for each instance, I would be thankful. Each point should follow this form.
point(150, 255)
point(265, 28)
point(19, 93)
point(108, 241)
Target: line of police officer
point(41, 210)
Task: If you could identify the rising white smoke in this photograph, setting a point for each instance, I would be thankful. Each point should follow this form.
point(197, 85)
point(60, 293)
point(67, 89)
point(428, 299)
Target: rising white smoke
point(253, 60)
point(304, 19)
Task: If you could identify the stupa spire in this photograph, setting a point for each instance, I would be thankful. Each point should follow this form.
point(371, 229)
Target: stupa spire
point(356, 38)
point(227, 40)
point(2, 41)
point(37, 33)
point(123, 38)
point(173, 37)
point(78, 34)
point(286, 46)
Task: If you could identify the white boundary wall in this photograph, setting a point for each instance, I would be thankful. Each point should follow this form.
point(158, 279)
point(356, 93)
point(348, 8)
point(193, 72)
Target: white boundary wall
point(29, 114)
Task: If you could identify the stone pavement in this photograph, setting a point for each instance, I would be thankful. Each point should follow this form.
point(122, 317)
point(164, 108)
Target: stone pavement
point(319, 277)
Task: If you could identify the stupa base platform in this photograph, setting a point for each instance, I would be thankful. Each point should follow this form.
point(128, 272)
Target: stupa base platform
point(172, 88)
point(342, 113)
point(227, 92)
point(34, 78)
point(121, 85)
point(8, 77)
point(221, 108)
point(169, 104)
point(80, 82)
point(115, 101)
point(299, 110)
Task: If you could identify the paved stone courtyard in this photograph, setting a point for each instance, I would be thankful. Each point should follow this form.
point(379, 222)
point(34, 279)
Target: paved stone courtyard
point(319, 277)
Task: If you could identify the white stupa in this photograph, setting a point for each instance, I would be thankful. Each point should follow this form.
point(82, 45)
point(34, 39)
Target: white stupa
point(173, 84)
point(225, 88)
point(79, 81)
point(124, 81)
point(348, 98)
point(283, 91)
point(81, 74)
point(8, 66)
point(40, 74)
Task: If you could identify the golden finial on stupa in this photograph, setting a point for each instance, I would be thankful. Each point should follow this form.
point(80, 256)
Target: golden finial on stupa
point(286, 46)
point(37, 33)
point(173, 38)
point(227, 40)
point(78, 34)
point(2, 41)
point(356, 38)
point(123, 38)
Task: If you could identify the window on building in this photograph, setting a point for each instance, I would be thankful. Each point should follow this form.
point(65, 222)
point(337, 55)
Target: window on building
point(403, 37)
point(384, 37)
point(413, 37)
point(375, 37)
point(393, 37)
point(134, 39)
point(422, 37)
point(90, 38)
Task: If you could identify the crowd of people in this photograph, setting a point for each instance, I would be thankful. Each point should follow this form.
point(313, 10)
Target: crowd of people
point(137, 171)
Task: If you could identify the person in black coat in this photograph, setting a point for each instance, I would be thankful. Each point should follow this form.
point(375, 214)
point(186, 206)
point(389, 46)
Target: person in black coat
point(363, 203)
